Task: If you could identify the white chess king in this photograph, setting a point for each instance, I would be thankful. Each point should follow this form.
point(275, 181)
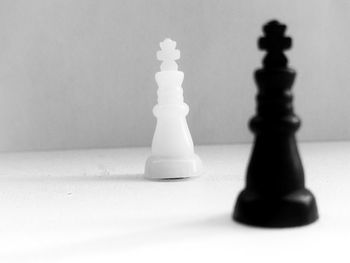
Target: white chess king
point(173, 154)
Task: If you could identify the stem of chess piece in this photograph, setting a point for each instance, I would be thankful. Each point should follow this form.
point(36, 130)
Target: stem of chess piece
point(173, 154)
point(275, 193)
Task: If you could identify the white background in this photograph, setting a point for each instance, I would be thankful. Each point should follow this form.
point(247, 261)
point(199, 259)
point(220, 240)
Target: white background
point(80, 74)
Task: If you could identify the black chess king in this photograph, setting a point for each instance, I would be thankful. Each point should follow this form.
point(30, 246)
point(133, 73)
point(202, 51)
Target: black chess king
point(275, 193)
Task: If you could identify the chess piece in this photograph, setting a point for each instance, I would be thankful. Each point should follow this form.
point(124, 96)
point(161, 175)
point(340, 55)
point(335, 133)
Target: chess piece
point(275, 193)
point(173, 154)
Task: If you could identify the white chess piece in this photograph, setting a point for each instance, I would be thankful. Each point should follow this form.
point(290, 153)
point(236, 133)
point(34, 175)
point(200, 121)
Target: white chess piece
point(172, 146)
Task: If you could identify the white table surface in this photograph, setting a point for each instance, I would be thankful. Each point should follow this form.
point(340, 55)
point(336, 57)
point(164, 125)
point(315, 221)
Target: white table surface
point(95, 206)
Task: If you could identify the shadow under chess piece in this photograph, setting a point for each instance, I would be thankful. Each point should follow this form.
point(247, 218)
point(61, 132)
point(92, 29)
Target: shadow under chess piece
point(275, 193)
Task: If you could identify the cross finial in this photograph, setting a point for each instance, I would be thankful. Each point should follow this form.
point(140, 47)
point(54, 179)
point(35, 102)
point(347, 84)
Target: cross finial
point(275, 42)
point(168, 54)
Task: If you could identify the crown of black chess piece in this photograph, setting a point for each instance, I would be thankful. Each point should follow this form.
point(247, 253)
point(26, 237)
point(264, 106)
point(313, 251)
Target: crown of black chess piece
point(275, 193)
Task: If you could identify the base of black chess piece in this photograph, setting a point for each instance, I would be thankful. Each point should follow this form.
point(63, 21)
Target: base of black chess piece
point(295, 209)
point(275, 193)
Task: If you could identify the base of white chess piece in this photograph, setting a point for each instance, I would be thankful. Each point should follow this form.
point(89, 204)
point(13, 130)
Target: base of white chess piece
point(166, 168)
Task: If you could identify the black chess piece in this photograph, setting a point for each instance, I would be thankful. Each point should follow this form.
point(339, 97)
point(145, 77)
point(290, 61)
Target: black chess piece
point(275, 193)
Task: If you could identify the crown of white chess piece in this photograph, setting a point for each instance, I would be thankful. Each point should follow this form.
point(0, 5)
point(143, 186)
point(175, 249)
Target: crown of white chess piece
point(168, 54)
point(173, 154)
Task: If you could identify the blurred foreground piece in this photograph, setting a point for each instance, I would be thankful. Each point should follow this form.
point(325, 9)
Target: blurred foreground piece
point(275, 193)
